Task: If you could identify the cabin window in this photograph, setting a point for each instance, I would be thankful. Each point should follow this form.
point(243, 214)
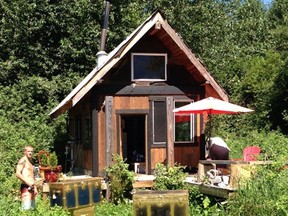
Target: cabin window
point(159, 122)
point(149, 66)
point(74, 128)
point(184, 125)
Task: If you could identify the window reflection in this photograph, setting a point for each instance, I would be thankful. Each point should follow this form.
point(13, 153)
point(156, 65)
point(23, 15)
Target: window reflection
point(184, 124)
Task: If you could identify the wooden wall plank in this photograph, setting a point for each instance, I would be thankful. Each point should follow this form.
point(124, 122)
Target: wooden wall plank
point(87, 156)
point(101, 142)
point(158, 155)
point(138, 102)
point(187, 155)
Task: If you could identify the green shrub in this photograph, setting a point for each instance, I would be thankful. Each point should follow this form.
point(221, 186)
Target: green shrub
point(44, 160)
point(9, 205)
point(110, 209)
point(169, 178)
point(120, 180)
point(48, 159)
point(209, 209)
point(53, 160)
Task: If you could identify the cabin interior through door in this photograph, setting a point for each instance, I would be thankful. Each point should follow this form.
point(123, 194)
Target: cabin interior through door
point(133, 140)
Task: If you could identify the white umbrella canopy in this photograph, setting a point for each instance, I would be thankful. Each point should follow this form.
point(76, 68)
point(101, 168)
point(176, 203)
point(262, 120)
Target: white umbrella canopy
point(211, 105)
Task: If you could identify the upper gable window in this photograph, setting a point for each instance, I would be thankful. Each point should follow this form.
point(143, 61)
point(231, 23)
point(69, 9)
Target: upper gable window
point(149, 66)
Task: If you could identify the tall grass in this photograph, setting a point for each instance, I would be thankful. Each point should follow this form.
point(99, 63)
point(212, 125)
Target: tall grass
point(265, 194)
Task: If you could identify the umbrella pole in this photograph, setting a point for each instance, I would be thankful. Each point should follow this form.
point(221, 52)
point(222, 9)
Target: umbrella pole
point(208, 125)
point(208, 132)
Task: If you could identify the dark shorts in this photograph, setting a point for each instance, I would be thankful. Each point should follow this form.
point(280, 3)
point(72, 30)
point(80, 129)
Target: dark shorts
point(24, 188)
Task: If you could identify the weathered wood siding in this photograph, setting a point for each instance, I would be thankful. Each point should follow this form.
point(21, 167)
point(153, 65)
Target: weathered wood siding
point(187, 155)
point(139, 102)
point(158, 155)
point(81, 111)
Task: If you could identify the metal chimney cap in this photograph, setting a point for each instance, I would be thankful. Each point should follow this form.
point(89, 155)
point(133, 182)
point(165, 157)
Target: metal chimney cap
point(101, 58)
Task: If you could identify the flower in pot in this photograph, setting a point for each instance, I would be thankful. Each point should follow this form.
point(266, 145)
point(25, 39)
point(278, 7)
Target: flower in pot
point(48, 166)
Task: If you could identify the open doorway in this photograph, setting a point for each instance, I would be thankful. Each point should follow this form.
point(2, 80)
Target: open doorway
point(133, 141)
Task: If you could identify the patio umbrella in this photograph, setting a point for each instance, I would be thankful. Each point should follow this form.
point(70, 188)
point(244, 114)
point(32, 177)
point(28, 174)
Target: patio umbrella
point(210, 106)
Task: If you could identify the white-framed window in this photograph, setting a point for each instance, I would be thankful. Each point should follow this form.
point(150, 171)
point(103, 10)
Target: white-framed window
point(148, 66)
point(184, 125)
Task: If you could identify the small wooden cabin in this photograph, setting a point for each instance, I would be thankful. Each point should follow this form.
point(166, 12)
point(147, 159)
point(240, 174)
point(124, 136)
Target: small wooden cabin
point(125, 105)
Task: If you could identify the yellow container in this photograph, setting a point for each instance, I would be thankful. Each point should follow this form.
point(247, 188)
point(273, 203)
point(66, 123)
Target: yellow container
point(156, 203)
point(75, 194)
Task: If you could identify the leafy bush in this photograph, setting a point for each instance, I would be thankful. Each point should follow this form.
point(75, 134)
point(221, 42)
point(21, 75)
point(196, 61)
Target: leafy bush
point(110, 209)
point(169, 178)
point(48, 159)
point(120, 180)
point(207, 209)
point(11, 206)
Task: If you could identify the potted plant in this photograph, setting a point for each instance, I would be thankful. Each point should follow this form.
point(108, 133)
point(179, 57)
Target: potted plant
point(48, 166)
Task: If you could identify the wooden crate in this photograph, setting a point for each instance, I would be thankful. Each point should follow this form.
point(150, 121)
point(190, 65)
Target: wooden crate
point(86, 211)
point(76, 193)
point(156, 203)
point(143, 184)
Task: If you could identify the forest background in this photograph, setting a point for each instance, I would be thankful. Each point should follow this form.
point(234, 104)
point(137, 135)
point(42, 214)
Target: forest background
point(48, 46)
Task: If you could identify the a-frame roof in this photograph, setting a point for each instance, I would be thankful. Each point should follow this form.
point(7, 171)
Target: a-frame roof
point(155, 25)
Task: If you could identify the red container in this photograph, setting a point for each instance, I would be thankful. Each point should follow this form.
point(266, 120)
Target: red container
point(51, 176)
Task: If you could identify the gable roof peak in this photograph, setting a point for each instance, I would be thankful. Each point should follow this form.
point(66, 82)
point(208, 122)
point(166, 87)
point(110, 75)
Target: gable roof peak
point(107, 62)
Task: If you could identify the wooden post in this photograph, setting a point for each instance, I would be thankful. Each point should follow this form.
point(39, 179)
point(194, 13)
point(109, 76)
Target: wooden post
point(45, 190)
point(109, 128)
point(170, 132)
point(109, 136)
point(239, 173)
